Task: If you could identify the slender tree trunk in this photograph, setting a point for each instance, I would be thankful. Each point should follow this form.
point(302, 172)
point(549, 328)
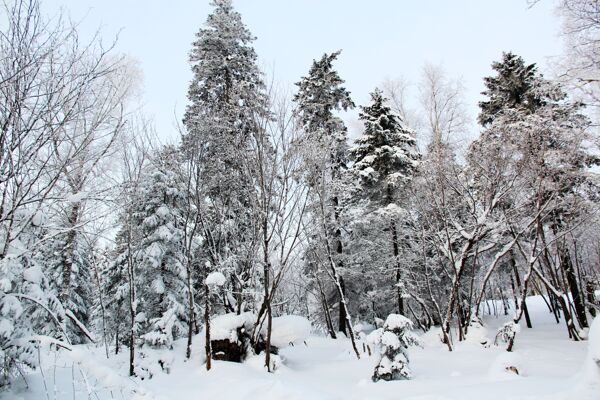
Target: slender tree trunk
point(132, 303)
point(192, 313)
point(207, 345)
point(266, 270)
point(591, 298)
point(578, 299)
point(515, 270)
point(328, 320)
point(342, 309)
point(68, 255)
point(396, 253)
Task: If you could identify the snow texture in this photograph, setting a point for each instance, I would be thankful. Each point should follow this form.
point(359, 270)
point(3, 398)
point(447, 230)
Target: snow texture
point(215, 279)
point(289, 329)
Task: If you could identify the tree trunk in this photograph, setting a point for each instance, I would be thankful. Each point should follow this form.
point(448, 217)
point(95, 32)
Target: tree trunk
point(578, 299)
point(207, 346)
point(68, 254)
point(396, 253)
point(515, 270)
point(328, 320)
point(342, 309)
point(591, 298)
point(192, 313)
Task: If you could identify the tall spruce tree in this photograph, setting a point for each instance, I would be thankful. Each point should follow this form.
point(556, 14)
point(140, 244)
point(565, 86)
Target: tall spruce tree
point(160, 257)
point(320, 95)
point(227, 96)
point(531, 118)
point(385, 160)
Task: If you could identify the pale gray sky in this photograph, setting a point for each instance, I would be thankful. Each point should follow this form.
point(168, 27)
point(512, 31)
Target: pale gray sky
point(380, 39)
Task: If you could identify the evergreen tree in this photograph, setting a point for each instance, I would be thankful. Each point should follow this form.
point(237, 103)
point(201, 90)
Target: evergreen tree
point(28, 306)
point(385, 160)
point(540, 135)
point(517, 86)
point(115, 280)
point(385, 156)
point(79, 300)
point(394, 339)
point(161, 260)
point(227, 96)
point(319, 96)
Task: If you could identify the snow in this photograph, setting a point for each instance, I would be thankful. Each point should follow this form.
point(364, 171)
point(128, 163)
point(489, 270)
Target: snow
point(397, 321)
point(551, 367)
point(289, 329)
point(225, 326)
point(33, 274)
point(591, 370)
point(76, 197)
point(215, 279)
point(389, 339)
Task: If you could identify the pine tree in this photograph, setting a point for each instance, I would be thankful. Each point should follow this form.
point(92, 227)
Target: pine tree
point(540, 134)
point(79, 300)
point(319, 96)
point(28, 306)
point(385, 156)
point(385, 160)
point(161, 260)
point(394, 338)
point(227, 96)
point(517, 86)
point(115, 280)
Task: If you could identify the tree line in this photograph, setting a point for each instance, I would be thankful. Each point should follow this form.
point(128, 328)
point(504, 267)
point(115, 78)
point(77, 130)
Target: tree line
point(108, 236)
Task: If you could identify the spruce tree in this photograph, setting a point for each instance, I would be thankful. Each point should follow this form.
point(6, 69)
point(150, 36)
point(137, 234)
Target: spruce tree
point(227, 99)
point(161, 260)
point(517, 86)
point(530, 121)
point(320, 95)
point(385, 160)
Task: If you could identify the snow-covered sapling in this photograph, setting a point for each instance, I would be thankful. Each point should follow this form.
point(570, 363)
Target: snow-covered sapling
point(507, 334)
point(393, 340)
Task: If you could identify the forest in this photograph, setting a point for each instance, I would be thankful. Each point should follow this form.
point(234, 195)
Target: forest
point(266, 239)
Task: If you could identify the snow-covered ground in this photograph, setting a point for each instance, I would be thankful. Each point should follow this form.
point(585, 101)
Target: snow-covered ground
point(550, 367)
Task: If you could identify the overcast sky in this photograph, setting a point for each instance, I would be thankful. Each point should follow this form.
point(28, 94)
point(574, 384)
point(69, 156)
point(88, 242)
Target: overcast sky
point(380, 39)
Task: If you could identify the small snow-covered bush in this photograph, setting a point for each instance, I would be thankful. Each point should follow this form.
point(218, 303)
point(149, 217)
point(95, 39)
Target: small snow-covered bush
point(507, 334)
point(393, 340)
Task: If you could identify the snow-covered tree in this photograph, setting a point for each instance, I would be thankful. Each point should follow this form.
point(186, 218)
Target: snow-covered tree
point(385, 160)
point(320, 95)
point(160, 257)
point(227, 100)
point(393, 339)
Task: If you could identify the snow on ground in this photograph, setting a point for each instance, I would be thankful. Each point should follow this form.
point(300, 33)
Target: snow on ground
point(550, 367)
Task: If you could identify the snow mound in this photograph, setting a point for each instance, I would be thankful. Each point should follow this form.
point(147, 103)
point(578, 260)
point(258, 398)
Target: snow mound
point(289, 329)
point(397, 321)
point(477, 334)
point(591, 372)
point(215, 279)
point(225, 326)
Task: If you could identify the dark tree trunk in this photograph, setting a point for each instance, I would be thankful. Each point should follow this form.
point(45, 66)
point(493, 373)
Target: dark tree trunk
point(591, 298)
point(396, 253)
point(513, 264)
point(342, 310)
point(207, 346)
point(578, 299)
point(68, 254)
